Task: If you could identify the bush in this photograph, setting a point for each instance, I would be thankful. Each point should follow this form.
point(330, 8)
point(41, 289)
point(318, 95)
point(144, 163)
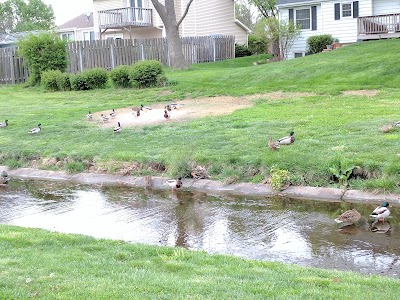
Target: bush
point(89, 79)
point(96, 78)
point(241, 51)
point(317, 43)
point(257, 45)
point(120, 76)
point(64, 82)
point(79, 82)
point(43, 52)
point(49, 79)
point(146, 73)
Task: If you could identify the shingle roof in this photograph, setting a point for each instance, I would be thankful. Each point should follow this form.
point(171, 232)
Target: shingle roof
point(81, 21)
point(281, 2)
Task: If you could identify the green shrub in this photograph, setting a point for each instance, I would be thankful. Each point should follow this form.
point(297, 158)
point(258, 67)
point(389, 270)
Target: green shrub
point(79, 82)
point(43, 52)
point(257, 45)
point(241, 50)
point(49, 79)
point(64, 82)
point(96, 78)
point(146, 73)
point(89, 79)
point(120, 76)
point(317, 43)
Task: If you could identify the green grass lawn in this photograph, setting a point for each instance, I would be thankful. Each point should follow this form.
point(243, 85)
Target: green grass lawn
point(330, 128)
point(37, 264)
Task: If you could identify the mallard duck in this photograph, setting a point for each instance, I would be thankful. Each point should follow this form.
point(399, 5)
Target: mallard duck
point(272, 144)
point(396, 124)
point(36, 129)
point(349, 217)
point(386, 128)
point(118, 128)
point(144, 108)
point(104, 118)
point(287, 140)
point(113, 114)
point(175, 183)
point(138, 113)
point(166, 115)
point(89, 116)
point(381, 212)
point(176, 105)
point(168, 107)
point(4, 124)
point(4, 178)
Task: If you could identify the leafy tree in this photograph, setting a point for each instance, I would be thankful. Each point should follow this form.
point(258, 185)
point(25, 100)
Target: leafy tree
point(267, 8)
point(18, 16)
point(43, 52)
point(168, 16)
point(244, 14)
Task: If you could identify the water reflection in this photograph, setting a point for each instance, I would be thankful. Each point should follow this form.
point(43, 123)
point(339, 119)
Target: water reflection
point(291, 231)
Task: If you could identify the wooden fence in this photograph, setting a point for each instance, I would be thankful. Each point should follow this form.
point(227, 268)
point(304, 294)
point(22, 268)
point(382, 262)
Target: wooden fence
point(109, 54)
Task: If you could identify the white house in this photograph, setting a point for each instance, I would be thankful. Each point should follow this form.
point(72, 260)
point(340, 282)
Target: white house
point(138, 19)
point(79, 28)
point(347, 21)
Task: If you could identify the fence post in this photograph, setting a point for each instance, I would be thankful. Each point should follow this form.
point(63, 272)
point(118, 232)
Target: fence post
point(214, 54)
point(80, 58)
point(13, 81)
point(142, 50)
point(112, 55)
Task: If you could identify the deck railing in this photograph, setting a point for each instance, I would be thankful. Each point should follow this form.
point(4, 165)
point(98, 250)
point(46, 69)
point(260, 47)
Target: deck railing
point(379, 24)
point(128, 16)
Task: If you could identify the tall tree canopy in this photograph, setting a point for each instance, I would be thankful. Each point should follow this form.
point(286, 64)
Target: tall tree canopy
point(267, 8)
point(168, 16)
point(20, 15)
point(243, 14)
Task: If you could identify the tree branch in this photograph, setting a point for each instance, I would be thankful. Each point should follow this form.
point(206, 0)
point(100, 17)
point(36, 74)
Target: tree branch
point(158, 6)
point(184, 14)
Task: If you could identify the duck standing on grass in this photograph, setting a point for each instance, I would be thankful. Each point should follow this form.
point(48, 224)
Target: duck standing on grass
point(348, 217)
point(4, 124)
point(166, 115)
point(381, 212)
point(89, 116)
point(3, 178)
point(36, 129)
point(175, 183)
point(118, 128)
point(287, 140)
point(272, 144)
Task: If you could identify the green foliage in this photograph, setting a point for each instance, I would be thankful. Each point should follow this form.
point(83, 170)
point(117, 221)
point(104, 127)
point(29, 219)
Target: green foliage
point(43, 52)
point(242, 50)
point(22, 16)
point(317, 43)
point(258, 44)
point(145, 73)
point(341, 170)
point(89, 79)
point(55, 80)
point(96, 78)
point(120, 76)
point(279, 178)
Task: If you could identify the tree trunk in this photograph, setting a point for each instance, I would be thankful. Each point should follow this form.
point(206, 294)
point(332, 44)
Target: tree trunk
point(168, 16)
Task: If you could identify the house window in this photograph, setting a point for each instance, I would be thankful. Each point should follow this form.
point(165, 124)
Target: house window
point(303, 18)
point(69, 36)
point(346, 10)
point(298, 54)
point(88, 36)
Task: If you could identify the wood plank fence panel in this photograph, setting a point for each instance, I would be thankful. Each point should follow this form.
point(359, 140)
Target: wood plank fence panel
point(108, 54)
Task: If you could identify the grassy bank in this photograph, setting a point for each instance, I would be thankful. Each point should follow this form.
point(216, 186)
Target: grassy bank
point(42, 265)
point(331, 129)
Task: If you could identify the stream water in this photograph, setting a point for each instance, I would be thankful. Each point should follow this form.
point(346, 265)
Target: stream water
point(274, 229)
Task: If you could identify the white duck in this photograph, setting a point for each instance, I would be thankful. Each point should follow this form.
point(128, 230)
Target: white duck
point(175, 183)
point(287, 140)
point(4, 124)
point(36, 129)
point(118, 128)
point(381, 212)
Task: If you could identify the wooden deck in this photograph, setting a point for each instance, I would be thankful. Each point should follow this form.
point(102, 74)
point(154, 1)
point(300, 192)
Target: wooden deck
point(378, 27)
point(125, 17)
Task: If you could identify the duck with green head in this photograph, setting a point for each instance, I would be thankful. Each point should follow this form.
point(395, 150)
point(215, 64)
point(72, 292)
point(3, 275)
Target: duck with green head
point(381, 212)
